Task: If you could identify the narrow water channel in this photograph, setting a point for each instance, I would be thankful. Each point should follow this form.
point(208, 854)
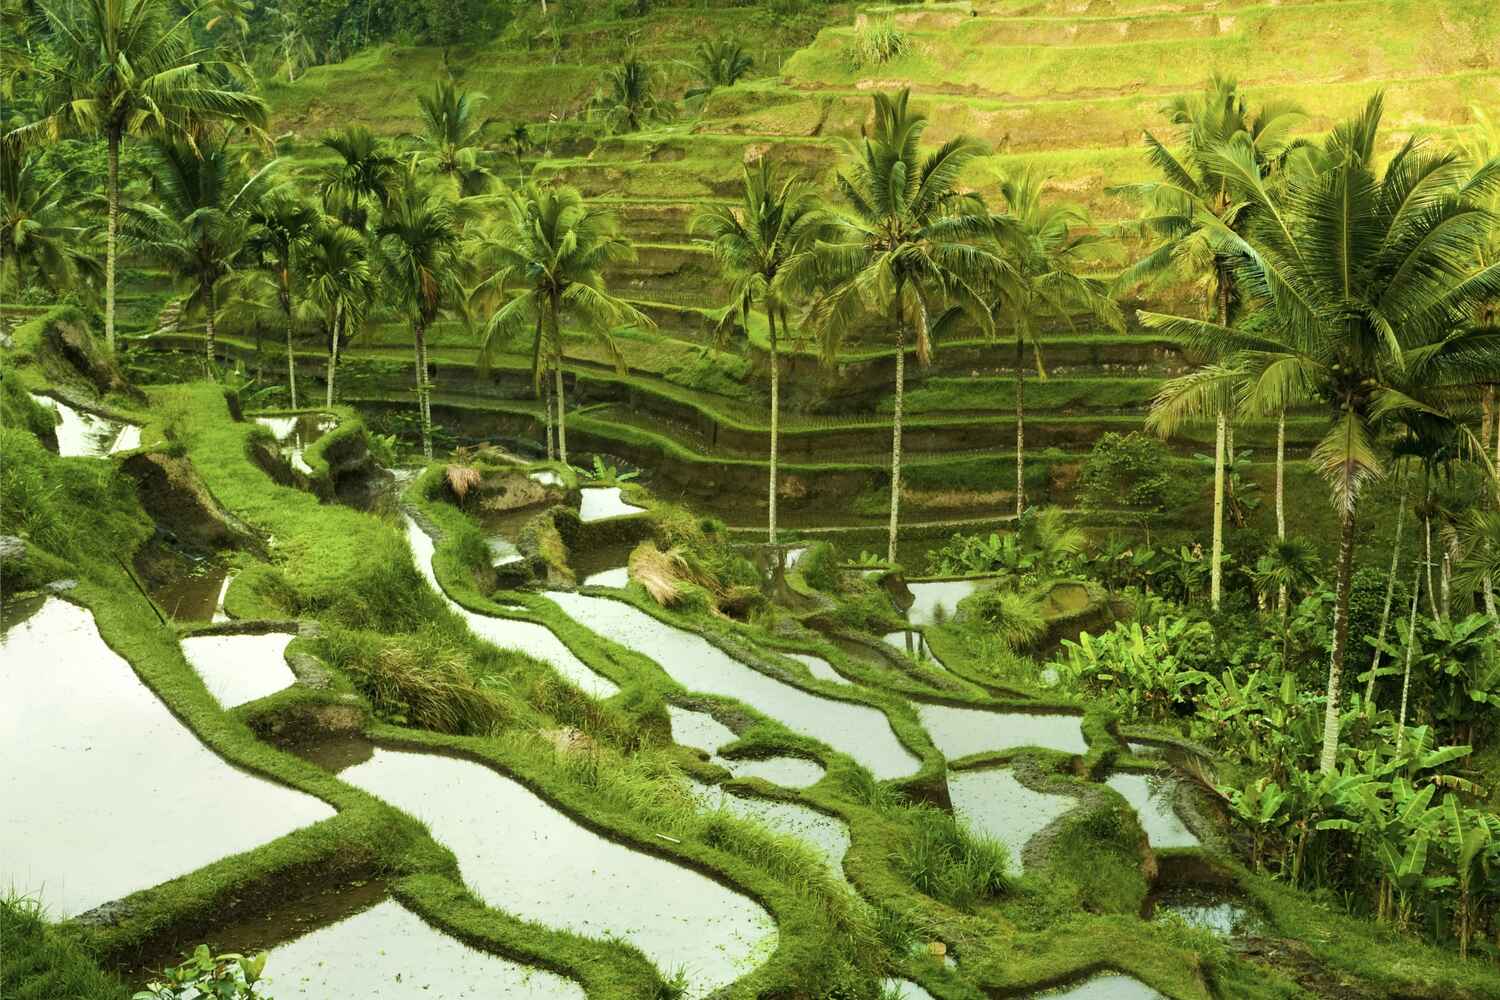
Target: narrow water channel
point(88, 435)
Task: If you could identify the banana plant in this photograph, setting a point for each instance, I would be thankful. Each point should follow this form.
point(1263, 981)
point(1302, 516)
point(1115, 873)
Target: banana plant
point(1470, 844)
point(1260, 806)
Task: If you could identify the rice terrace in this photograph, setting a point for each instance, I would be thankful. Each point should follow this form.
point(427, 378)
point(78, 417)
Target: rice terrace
point(749, 500)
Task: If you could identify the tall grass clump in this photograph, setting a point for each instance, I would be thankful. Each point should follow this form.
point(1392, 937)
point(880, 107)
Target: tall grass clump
point(39, 963)
point(945, 860)
point(1015, 617)
point(384, 592)
point(876, 42)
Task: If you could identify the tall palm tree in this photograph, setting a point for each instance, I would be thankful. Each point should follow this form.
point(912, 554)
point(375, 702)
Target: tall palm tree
point(450, 138)
point(1044, 246)
point(368, 174)
point(1183, 207)
point(752, 243)
point(39, 244)
point(906, 245)
point(338, 281)
point(1368, 279)
point(124, 69)
point(200, 218)
point(552, 248)
point(417, 243)
point(280, 224)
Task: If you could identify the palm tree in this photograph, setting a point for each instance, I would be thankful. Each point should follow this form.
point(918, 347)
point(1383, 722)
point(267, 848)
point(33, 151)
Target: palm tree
point(1043, 246)
point(417, 243)
point(629, 98)
point(39, 245)
point(906, 245)
point(124, 69)
point(1288, 567)
point(451, 136)
point(720, 62)
point(1368, 280)
point(553, 249)
point(1191, 194)
point(280, 224)
point(199, 221)
point(752, 243)
point(338, 281)
point(369, 173)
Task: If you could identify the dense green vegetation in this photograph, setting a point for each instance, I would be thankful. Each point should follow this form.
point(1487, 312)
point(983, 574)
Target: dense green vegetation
point(851, 305)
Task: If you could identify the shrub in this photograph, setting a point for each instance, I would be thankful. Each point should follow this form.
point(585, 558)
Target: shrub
point(948, 862)
point(1015, 617)
point(1142, 672)
point(819, 567)
point(1134, 472)
point(876, 42)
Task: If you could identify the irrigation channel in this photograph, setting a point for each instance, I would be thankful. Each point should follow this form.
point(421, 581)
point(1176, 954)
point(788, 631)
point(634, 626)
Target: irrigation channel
point(91, 728)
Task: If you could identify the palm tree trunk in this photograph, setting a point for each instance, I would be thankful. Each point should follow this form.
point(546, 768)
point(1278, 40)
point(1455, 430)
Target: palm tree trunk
point(419, 337)
point(1216, 568)
point(775, 423)
point(333, 351)
point(547, 416)
point(111, 229)
point(208, 329)
point(1329, 758)
point(896, 429)
point(291, 360)
point(1411, 640)
point(1281, 594)
point(1390, 590)
point(1020, 432)
point(1445, 584)
point(562, 427)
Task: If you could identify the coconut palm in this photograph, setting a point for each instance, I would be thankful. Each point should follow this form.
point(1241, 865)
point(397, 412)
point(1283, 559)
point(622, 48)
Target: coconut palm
point(552, 249)
point(199, 220)
point(338, 281)
point(630, 97)
point(720, 62)
point(1044, 247)
point(39, 244)
point(450, 138)
point(280, 224)
point(417, 245)
point(124, 69)
point(1368, 280)
point(905, 246)
point(1192, 193)
point(368, 173)
point(752, 243)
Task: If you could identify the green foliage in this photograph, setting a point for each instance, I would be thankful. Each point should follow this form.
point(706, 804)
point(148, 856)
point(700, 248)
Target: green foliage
point(1131, 472)
point(819, 567)
point(209, 977)
point(19, 410)
point(40, 962)
point(1142, 672)
point(1015, 617)
point(876, 42)
point(947, 861)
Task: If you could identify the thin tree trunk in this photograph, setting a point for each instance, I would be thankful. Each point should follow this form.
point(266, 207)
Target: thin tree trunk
point(1281, 594)
point(426, 386)
point(1445, 583)
point(333, 351)
point(775, 422)
point(1411, 637)
point(1390, 590)
point(547, 415)
point(1329, 758)
point(1216, 570)
point(1431, 587)
point(896, 428)
point(111, 228)
point(208, 330)
point(1020, 432)
point(562, 427)
point(291, 361)
point(419, 337)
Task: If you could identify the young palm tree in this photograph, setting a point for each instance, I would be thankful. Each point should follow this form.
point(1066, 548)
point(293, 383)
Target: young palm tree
point(1043, 246)
point(200, 219)
point(720, 62)
point(338, 281)
point(1368, 280)
point(417, 243)
point(280, 224)
point(370, 172)
point(450, 138)
point(39, 244)
point(906, 245)
point(752, 243)
point(124, 69)
point(553, 248)
point(629, 97)
point(1192, 197)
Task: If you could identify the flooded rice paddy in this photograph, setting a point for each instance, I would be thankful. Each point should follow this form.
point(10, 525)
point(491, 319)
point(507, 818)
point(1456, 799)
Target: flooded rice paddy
point(389, 952)
point(1151, 798)
point(296, 433)
point(240, 668)
point(1106, 987)
point(994, 803)
point(699, 730)
point(88, 435)
point(528, 637)
point(959, 732)
point(195, 597)
point(789, 772)
point(602, 502)
point(903, 989)
point(935, 601)
point(819, 668)
point(81, 737)
point(860, 731)
point(828, 837)
point(521, 855)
